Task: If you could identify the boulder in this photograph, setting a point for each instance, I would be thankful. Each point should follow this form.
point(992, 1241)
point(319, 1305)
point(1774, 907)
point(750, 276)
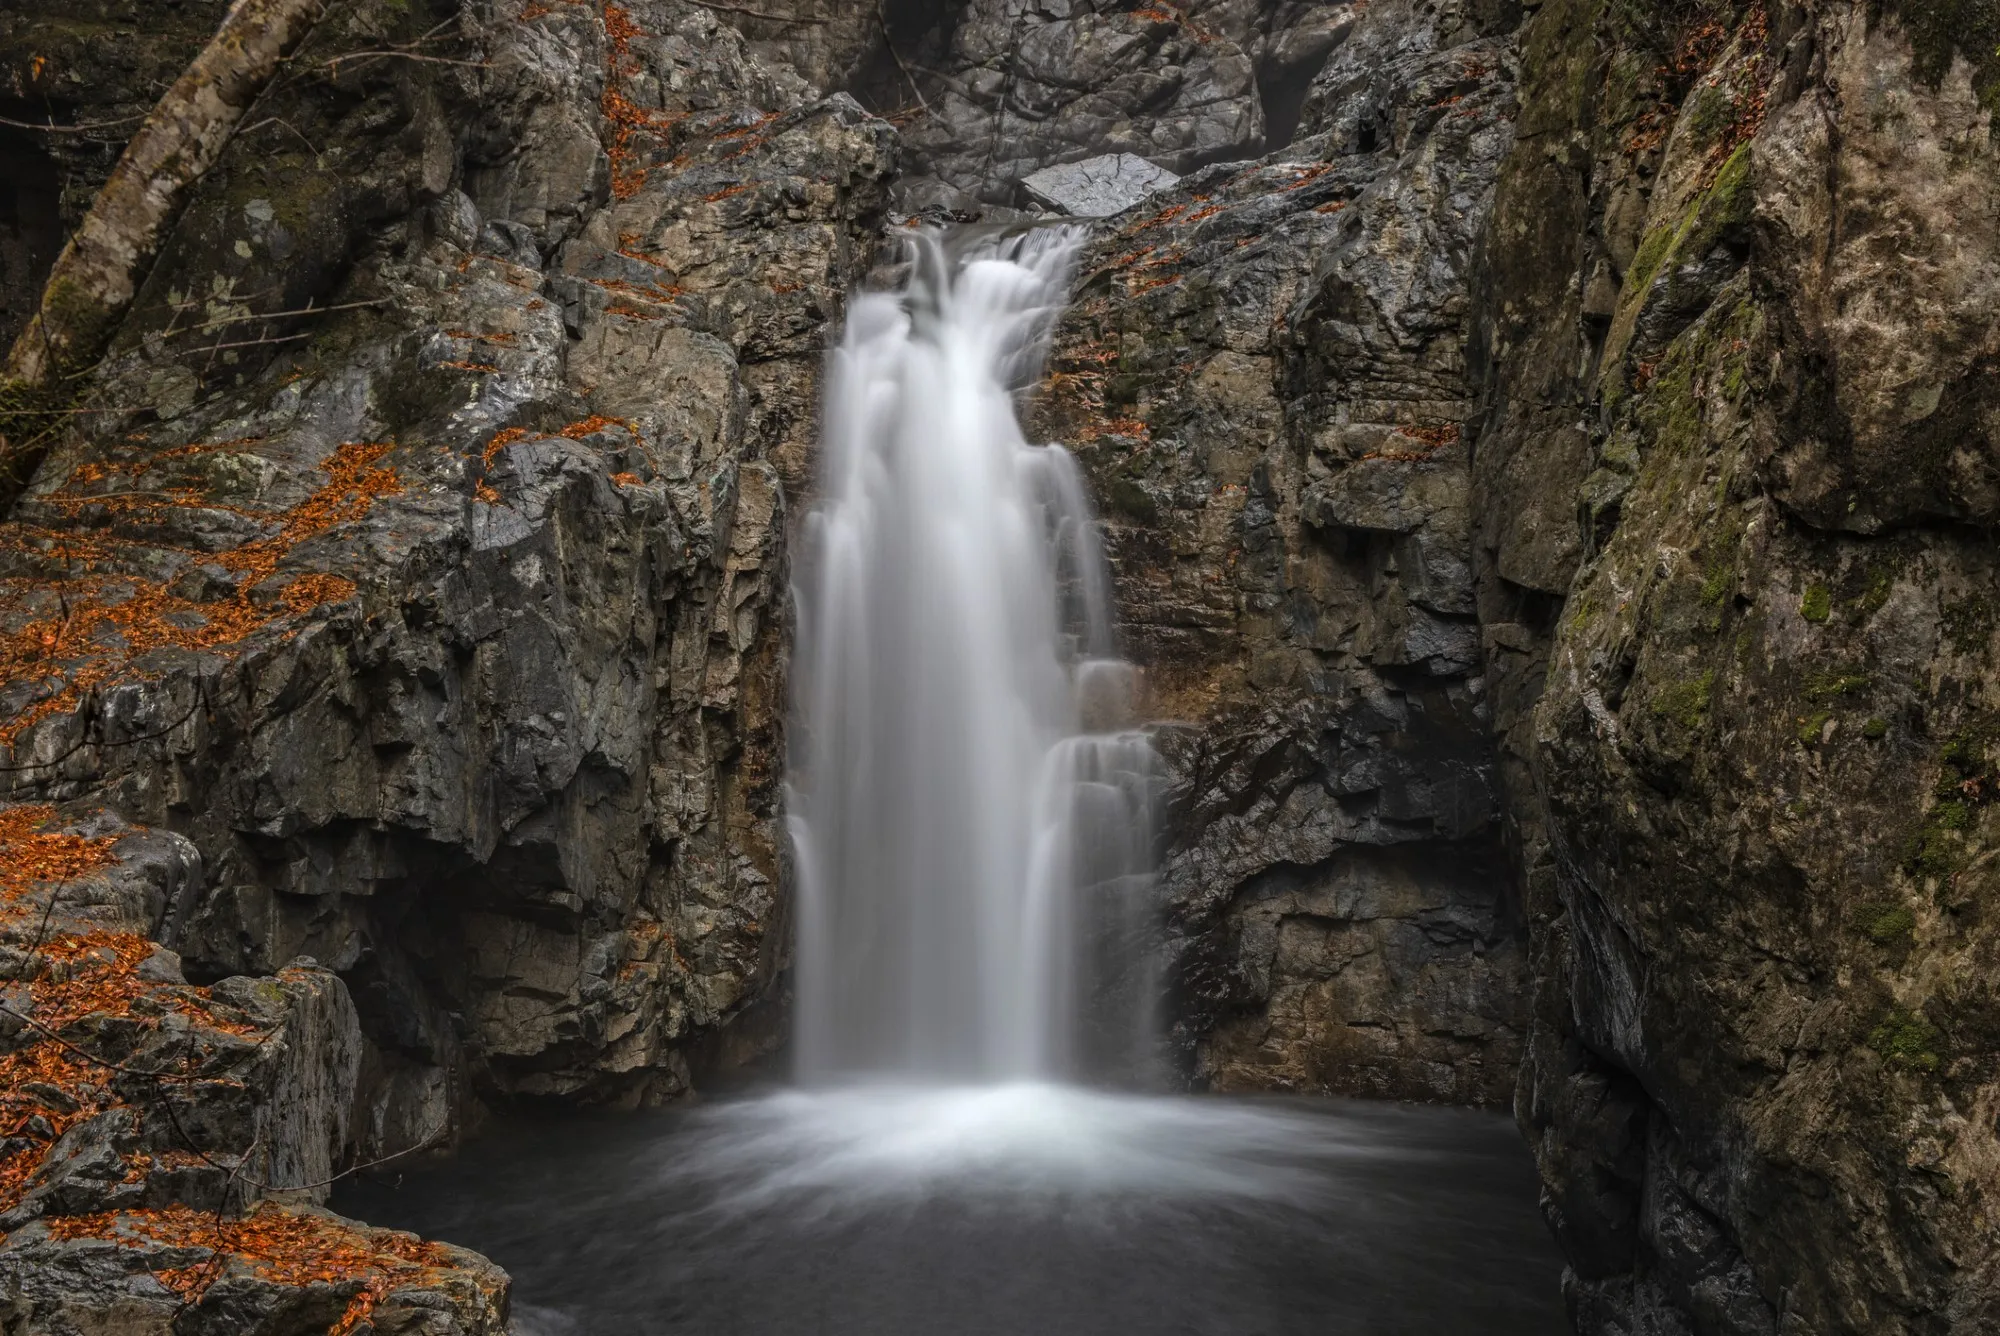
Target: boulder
point(1096, 187)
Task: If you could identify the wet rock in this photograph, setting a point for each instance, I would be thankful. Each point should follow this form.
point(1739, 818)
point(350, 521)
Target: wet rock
point(1025, 85)
point(458, 585)
point(1265, 378)
point(1742, 673)
point(1096, 187)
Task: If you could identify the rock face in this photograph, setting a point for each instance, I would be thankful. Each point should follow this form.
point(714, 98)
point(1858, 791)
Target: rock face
point(166, 1143)
point(1548, 454)
point(1096, 187)
point(990, 91)
point(1264, 376)
point(1737, 448)
point(1029, 83)
point(446, 623)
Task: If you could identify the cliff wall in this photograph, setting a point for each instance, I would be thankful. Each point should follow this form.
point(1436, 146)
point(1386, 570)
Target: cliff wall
point(1735, 474)
point(1548, 458)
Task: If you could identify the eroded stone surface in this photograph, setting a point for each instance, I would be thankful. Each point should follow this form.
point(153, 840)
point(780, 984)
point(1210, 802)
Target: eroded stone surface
point(1096, 187)
point(1265, 377)
point(458, 640)
point(165, 1143)
point(1742, 661)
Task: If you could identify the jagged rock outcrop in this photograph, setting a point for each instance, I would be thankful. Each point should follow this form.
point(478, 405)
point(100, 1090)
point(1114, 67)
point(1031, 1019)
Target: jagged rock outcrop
point(165, 1143)
point(989, 91)
point(1735, 466)
point(1548, 493)
point(420, 554)
point(1264, 377)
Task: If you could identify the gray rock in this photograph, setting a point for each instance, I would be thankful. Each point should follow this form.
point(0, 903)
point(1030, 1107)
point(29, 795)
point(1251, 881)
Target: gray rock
point(1096, 187)
point(1742, 641)
point(1265, 381)
point(510, 768)
point(1025, 85)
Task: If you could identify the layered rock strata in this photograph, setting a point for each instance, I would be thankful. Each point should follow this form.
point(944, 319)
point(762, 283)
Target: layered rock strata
point(1264, 376)
point(166, 1145)
point(419, 553)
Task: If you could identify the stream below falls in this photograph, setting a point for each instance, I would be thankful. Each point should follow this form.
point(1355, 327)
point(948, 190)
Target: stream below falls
point(1011, 1208)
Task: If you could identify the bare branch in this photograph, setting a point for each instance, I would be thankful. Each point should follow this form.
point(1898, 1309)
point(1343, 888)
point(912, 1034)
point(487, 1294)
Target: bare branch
point(98, 273)
point(84, 127)
point(759, 14)
point(882, 17)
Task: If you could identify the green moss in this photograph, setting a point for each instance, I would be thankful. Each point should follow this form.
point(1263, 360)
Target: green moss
point(1812, 725)
point(1720, 580)
point(1581, 610)
point(1938, 847)
point(1685, 703)
point(1817, 605)
point(1965, 749)
point(1831, 685)
point(1905, 1038)
point(1875, 729)
point(1968, 624)
point(1886, 925)
point(1881, 583)
point(1653, 251)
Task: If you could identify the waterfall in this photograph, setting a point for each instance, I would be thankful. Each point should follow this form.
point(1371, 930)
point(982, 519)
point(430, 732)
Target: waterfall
point(968, 798)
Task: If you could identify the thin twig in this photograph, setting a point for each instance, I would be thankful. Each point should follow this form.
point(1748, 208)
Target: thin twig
point(279, 120)
point(84, 128)
point(333, 62)
point(275, 315)
point(436, 1133)
point(882, 17)
point(759, 14)
point(55, 1037)
point(161, 1077)
point(200, 699)
point(48, 911)
point(247, 343)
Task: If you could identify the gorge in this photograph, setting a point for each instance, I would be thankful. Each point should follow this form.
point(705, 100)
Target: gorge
point(1545, 456)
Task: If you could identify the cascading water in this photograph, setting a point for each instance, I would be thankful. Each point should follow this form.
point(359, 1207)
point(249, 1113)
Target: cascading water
point(968, 799)
point(969, 807)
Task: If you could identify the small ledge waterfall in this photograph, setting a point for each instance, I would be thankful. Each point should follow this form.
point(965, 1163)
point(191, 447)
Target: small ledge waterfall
point(969, 801)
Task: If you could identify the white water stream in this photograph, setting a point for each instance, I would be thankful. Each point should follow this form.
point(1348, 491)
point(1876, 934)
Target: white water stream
point(969, 805)
point(968, 797)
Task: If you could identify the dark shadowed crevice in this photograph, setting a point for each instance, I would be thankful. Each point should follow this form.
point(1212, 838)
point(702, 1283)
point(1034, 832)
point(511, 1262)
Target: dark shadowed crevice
point(921, 32)
point(1283, 89)
point(30, 228)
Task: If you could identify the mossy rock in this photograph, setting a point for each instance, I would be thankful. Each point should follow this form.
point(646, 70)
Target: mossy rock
point(1886, 925)
point(1906, 1039)
point(1832, 684)
point(1816, 604)
point(1943, 30)
point(1685, 703)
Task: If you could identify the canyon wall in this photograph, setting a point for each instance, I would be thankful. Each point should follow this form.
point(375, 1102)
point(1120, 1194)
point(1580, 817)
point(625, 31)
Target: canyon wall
point(1735, 473)
point(1548, 461)
point(1264, 375)
point(419, 550)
